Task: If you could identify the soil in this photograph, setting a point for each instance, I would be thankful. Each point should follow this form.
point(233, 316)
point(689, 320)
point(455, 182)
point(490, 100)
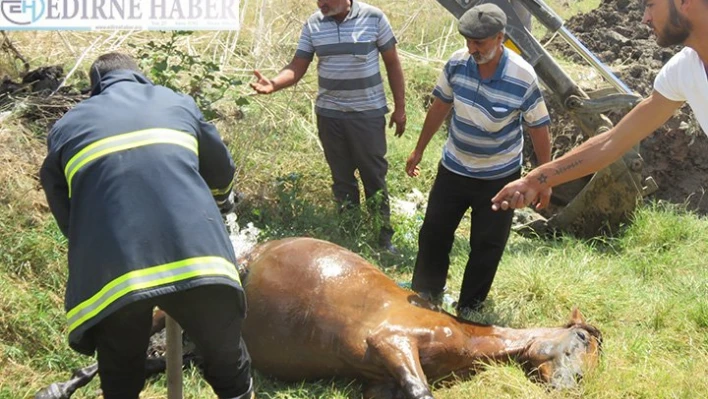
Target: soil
point(676, 155)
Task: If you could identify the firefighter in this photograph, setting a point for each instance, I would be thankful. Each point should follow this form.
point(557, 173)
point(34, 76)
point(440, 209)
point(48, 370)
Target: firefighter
point(136, 179)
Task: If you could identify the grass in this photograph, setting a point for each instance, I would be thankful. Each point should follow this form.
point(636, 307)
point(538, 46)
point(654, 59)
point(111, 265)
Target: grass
point(644, 288)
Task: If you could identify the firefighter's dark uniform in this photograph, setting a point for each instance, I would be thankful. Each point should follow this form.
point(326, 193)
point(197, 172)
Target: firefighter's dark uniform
point(131, 176)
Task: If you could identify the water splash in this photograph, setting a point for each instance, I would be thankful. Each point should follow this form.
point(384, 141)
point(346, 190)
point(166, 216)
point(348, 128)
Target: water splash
point(243, 240)
point(414, 202)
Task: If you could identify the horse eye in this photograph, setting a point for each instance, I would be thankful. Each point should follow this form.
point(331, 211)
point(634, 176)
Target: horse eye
point(582, 335)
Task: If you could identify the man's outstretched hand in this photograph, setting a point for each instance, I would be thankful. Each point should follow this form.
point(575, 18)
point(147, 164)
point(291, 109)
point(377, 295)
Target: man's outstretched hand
point(521, 193)
point(263, 85)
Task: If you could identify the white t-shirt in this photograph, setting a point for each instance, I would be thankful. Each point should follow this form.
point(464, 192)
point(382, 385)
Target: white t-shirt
point(684, 78)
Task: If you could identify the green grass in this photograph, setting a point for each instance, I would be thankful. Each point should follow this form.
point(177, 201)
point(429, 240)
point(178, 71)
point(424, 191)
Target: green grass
point(654, 323)
point(644, 288)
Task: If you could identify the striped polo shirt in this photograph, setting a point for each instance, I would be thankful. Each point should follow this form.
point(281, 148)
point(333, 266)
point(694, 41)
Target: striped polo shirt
point(485, 138)
point(350, 84)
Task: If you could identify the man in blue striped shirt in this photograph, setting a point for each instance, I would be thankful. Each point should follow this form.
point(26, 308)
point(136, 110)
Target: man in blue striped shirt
point(491, 91)
point(347, 37)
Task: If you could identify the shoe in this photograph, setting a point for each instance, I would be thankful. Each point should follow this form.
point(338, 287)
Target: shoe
point(249, 394)
point(466, 312)
point(385, 243)
point(434, 299)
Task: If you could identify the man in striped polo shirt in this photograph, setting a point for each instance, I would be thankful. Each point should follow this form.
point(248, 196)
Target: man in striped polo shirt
point(491, 91)
point(347, 37)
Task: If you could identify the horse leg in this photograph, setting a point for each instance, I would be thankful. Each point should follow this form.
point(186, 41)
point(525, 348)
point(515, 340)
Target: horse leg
point(81, 377)
point(64, 390)
point(400, 357)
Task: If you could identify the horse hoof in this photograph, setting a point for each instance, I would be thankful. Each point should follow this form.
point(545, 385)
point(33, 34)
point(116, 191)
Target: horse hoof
point(53, 391)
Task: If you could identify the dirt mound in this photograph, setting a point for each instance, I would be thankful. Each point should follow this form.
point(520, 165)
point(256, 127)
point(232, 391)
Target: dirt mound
point(676, 155)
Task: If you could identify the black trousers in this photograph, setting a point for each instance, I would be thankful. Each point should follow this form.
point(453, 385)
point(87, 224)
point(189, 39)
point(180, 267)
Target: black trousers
point(357, 144)
point(211, 315)
point(450, 197)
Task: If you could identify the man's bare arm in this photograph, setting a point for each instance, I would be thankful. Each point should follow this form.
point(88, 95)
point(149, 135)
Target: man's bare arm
point(593, 155)
point(288, 76)
point(433, 120)
point(541, 140)
point(395, 80)
point(603, 149)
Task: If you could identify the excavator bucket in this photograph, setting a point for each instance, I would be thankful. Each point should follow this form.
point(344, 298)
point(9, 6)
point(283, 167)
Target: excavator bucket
point(596, 204)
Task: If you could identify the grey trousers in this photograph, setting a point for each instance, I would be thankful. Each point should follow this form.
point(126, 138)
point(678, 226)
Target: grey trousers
point(357, 144)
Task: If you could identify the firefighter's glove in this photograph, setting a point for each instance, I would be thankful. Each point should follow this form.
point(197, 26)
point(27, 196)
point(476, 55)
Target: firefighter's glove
point(228, 205)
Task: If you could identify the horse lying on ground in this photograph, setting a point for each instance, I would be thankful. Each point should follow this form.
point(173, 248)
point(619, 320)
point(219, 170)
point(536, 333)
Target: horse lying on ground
point(317, 310)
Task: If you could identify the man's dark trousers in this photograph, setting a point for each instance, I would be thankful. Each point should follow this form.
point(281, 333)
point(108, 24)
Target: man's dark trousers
point(357, 144)
point(452, 194)
point(211, 315)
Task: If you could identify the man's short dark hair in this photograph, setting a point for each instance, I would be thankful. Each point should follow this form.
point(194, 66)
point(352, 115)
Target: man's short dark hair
point(111, 62)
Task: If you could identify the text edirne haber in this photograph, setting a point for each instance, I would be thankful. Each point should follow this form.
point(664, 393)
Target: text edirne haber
point(134, 9)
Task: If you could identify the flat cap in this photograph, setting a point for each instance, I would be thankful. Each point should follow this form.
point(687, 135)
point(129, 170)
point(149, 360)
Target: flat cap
point(482, 21)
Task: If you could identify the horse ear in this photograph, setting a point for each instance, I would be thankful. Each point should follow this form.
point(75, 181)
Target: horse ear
point(576, 317)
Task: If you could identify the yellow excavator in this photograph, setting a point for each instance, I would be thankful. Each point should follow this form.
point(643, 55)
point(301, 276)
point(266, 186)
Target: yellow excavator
point(596, 204)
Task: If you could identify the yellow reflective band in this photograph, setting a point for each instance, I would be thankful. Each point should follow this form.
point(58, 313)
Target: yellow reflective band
point(222, 191)
point(149, 278)
point(125, 142)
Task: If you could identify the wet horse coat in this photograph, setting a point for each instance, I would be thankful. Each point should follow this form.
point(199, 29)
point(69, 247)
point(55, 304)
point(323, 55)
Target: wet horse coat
point(317, 310)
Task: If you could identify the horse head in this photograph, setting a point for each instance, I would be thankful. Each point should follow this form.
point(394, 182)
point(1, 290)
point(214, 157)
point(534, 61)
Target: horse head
point(561, 356)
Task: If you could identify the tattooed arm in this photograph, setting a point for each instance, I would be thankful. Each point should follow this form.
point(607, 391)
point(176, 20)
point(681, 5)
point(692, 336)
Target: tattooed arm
point(593, 155)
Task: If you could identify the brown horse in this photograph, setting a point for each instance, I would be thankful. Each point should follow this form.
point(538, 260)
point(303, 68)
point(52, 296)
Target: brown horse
point(317, 310)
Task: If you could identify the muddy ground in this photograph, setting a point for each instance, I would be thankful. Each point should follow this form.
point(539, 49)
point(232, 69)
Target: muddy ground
point(676, 155)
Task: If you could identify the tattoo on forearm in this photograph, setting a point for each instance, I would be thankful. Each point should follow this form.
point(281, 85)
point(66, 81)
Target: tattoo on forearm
point(568, 167)
point(542, 179)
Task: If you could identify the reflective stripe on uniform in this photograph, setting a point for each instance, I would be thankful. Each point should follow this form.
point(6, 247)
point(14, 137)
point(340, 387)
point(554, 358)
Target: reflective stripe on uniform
point(125, 142)
point(150, 277)
point(221, 191)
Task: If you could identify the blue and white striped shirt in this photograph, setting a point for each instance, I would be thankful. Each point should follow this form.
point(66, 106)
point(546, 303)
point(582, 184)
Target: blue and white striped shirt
point(485, 138)
point(350, 83)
